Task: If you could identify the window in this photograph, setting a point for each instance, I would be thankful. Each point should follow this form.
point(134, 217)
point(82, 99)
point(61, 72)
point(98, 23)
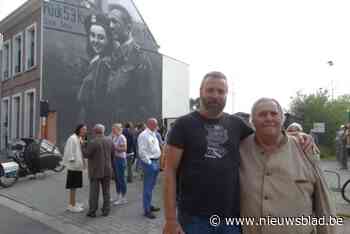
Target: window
point(0, 62)
point(6, 58)
point(30, 60)
point(5, 124)
point(16, 116)
point(17, 53)
point(29, 113)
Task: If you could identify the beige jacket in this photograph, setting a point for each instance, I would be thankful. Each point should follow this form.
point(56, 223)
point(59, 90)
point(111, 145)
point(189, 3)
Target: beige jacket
point(284, 184)
point(72, 156)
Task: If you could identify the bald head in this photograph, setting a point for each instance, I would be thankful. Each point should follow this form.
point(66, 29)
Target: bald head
point(152, 124)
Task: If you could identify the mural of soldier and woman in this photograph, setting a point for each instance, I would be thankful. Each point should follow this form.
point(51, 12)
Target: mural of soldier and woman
point(111, 70)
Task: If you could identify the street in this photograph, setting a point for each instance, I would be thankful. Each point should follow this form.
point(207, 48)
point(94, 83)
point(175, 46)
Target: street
point(44, 200)
point(12, 222)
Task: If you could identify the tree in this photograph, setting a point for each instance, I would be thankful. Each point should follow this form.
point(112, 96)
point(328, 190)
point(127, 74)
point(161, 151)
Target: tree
point(318, 107)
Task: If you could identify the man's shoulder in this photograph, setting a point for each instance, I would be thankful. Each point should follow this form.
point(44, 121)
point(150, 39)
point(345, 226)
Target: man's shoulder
point(188, 118)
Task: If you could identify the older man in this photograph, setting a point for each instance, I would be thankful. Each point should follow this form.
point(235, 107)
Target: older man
point(278, 179)
point(149, 153)
point(99, 153)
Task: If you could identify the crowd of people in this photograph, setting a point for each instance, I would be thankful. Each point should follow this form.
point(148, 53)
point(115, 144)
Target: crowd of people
point(215, 165)
point(342, 146)
point(113, 155)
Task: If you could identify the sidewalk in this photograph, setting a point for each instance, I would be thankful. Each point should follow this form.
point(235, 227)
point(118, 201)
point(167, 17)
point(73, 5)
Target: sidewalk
point(49, 197)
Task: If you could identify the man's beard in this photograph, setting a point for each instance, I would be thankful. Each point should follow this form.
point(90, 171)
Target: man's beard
point(212, 107)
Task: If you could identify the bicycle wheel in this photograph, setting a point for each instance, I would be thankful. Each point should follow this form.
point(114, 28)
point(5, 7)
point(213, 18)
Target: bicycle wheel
point(8, 179)
point(345, 191)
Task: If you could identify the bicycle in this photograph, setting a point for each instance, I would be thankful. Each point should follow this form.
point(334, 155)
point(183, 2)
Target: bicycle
point(345, 191)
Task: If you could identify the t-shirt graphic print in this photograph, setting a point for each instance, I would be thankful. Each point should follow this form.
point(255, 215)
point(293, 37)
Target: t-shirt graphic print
point(216, 138)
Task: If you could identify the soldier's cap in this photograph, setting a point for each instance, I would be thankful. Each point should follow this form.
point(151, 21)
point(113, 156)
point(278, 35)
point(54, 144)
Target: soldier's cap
point(96, 19)
point(116, 9)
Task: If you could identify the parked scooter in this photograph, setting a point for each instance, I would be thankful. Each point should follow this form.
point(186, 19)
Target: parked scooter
point(29, 156)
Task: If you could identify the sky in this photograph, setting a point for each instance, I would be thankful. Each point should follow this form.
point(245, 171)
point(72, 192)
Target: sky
point(270, 48)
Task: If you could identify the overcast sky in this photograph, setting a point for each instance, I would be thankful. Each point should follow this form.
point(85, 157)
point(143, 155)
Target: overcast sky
point(269, 48)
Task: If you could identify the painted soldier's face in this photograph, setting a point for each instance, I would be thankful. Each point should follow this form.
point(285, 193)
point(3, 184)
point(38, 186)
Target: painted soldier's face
point(213, 95)
point(98, 38)
point(118, 25)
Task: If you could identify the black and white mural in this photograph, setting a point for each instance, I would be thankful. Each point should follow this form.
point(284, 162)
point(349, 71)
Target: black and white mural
point(100, 63)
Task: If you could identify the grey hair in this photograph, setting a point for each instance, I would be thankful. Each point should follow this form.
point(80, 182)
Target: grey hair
point(295, 125)
point(99, 128)
point(265, 99)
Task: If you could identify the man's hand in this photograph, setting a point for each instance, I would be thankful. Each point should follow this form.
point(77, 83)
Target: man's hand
point(172, 227)
point(305, 140)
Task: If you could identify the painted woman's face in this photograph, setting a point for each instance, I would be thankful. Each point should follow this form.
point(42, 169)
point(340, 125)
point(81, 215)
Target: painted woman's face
point(98, 38)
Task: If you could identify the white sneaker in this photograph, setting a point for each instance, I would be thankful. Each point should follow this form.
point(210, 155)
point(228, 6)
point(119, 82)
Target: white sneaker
point(116, 198)
point(120, 201)
point(78, 204)
point(75, 209)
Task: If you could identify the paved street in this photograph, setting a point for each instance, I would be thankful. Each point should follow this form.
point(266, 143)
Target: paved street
point(45, 200)
point(12, 222)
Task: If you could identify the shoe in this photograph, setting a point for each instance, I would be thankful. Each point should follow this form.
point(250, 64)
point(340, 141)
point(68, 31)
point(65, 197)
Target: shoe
point(121, 201)
point(155, 209)
point(116, 198)
point(91, 214)
point(78, 204)
point(150, 215)
point(105, 214)
point(75, 209)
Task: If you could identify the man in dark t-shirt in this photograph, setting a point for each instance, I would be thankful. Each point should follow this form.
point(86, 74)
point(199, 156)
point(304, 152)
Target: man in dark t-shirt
point(202, 166)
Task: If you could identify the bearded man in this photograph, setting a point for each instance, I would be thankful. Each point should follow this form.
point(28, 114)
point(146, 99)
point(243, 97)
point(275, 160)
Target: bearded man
point(202, 164)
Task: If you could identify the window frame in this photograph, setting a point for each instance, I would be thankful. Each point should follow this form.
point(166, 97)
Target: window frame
point(6, 43)
point(27, 45)
point(14, 54)
point(8, 99)
point(13, 123)
point(27, 113)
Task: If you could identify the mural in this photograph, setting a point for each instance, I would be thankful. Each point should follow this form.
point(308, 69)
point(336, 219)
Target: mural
point(100, 64)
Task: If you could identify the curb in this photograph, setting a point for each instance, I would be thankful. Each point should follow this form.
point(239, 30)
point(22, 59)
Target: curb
point(52, 222)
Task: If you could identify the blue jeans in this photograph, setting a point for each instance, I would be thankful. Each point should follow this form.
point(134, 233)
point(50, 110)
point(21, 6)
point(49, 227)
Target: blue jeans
point(149, 181)
point(119, 171)
point(199, 225)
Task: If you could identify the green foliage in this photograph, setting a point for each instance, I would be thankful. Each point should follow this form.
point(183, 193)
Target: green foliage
point(318, 107)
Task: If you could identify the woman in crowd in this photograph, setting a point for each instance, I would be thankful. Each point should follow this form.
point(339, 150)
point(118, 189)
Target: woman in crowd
point(119, 162)
point(73, 160)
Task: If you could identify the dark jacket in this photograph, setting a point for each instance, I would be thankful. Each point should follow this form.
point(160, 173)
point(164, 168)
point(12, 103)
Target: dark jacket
point(99, 153)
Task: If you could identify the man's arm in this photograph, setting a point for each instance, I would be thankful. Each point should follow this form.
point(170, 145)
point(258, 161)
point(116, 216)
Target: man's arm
point(323, 204)
point(90, 150)
point(173, 157)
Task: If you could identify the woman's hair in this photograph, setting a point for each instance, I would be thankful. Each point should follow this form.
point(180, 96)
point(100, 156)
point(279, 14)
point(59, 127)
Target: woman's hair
point(103, 21)
point(78, 127)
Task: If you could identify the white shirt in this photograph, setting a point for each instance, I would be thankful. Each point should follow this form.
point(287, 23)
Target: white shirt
point(148, 146)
